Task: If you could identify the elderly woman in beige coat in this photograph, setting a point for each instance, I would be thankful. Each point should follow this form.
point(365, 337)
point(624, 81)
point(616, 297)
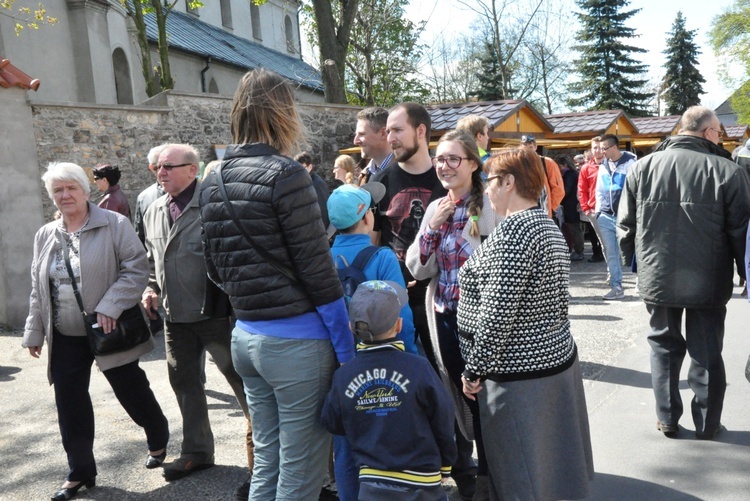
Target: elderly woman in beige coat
point(111, 270)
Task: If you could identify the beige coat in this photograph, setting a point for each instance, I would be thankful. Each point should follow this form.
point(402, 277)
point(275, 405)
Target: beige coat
point(114, 272)
point(488, 220)
point(178, 265)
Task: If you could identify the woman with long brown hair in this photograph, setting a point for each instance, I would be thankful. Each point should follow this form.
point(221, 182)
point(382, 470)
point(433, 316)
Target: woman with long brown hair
point(266, 247)
point(452, 228)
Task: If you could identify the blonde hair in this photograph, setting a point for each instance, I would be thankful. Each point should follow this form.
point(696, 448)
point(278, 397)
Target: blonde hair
point(263, 111)
point(348, 164)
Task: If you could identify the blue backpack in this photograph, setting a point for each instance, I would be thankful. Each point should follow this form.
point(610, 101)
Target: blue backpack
point(353, 275)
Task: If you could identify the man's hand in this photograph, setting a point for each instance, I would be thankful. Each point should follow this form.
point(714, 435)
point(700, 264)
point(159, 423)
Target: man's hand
point(107, 324)
point(150, 301)
point(35, 351)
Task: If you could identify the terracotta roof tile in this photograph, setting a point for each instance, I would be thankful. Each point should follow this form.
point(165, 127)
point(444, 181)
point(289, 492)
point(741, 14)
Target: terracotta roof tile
point(10, 76)
point(662, 126)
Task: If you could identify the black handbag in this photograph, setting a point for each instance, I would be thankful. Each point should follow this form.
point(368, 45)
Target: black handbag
point(130, 330)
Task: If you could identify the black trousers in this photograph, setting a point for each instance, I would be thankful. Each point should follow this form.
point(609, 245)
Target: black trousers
point(454, 363)
point(71, 373)
point(703, 341)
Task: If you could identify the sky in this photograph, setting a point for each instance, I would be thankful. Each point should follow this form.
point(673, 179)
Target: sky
point(655, 19)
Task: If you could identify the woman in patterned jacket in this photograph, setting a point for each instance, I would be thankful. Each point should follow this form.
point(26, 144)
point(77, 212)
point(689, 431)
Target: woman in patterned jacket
point(521, 361)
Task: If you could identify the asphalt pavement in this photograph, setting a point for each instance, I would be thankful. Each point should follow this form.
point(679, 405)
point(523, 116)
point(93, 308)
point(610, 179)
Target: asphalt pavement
point(633, 461)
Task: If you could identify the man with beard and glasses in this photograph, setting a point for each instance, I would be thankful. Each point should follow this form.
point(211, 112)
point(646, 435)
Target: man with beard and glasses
point(411, 185)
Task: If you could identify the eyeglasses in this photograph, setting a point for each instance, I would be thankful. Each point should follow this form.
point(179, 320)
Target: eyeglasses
point(491, 178)
point(608, 147)
point(718, 131)
point(451, 161)
point(168, 168)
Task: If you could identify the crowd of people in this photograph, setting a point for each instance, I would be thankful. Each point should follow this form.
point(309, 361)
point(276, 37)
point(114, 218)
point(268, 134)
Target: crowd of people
point(416, 312)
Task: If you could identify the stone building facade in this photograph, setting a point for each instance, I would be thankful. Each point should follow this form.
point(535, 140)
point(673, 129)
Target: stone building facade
point(122, 135)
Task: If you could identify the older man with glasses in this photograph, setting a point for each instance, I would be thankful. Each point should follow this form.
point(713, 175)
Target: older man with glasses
point(609, 183)
point(684, 213)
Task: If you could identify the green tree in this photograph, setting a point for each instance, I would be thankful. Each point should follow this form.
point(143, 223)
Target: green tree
point(493, 79)
point(730, 38)
point(161, 9)
point(609, 76)
point(682, 80)
point(383, 56)
point(24, 16)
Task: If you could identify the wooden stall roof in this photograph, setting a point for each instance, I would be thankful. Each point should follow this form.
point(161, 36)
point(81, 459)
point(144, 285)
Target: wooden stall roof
point(506, 117)
point(657, 126)
point(10, 76)
point(585, 125)
point(737, 132)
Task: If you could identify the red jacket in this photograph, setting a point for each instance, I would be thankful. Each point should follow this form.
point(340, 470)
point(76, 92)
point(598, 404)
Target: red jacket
point(587, 185)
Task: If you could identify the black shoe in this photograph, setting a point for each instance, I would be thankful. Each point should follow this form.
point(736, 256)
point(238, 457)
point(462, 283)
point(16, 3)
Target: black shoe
point(669, 430)
point(70, 492)
point(182, 467)
point(710, 434)
point(467, 486)
point(596, 258)
point(243, 491)
point(155, 461)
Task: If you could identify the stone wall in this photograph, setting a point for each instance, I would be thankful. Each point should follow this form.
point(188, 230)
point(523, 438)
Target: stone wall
point(123, 135)
point(39, 133)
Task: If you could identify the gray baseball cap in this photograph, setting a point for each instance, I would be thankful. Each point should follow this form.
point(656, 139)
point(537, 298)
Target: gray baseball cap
point(375, 307)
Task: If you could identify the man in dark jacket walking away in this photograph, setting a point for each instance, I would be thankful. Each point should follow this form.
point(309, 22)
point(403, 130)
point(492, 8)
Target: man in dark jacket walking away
point(684, 213)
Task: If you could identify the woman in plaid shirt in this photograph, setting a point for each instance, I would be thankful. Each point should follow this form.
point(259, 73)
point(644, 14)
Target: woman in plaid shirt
point(453, 226)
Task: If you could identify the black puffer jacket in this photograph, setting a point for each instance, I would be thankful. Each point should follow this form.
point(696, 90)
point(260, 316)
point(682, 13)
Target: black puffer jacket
point(274, 199)
point(684, 213)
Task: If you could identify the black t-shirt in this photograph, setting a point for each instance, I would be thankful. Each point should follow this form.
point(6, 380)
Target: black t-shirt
point(401, 211)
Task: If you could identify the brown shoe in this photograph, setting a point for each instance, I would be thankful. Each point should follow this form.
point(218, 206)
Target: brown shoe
point(182, 467)
point(668, 430)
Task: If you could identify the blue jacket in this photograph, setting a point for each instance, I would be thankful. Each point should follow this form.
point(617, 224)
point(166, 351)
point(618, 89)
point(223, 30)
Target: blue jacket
point(610, 182)
point(396, 415)
point(382, 266)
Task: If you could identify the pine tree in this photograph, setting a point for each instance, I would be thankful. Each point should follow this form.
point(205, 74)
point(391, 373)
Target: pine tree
point(609, 76)
point(683, 80)
point(490, 79)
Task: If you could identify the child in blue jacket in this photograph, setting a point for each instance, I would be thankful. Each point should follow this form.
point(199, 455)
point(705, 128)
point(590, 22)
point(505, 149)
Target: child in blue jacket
point(391, 406)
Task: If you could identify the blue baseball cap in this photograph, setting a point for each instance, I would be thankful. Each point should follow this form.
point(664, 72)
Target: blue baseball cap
point(347, 204)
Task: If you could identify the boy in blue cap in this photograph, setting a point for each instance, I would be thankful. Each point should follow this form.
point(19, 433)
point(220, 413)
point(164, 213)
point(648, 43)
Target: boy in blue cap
point(392, 407)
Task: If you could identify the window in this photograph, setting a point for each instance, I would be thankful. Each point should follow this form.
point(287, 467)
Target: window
point(123, 86)
point(255, 19)
point(289, 30)
point(226, 13)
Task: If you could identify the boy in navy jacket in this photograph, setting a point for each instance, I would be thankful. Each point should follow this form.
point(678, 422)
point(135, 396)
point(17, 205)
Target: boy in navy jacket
point(393, 409)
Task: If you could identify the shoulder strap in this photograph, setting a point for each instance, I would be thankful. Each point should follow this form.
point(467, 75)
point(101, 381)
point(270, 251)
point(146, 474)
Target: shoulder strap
point(364, 256)
point(76, 292)
point(280, 267)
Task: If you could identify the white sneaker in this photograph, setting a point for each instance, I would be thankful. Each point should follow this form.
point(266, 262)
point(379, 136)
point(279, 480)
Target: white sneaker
point(615, 293)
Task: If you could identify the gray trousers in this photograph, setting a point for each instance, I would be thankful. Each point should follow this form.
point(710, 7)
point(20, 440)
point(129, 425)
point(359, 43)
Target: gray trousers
point(185, 345)
point(703, 341)
point(286, 381)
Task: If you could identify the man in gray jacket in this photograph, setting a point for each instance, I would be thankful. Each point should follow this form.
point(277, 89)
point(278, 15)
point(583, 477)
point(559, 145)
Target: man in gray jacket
point(178, 274)
point(683, 214)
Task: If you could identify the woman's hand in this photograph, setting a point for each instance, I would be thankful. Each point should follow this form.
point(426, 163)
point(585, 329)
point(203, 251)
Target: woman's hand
point(471, 388)
point(106, 323)
point(35, 351)
point(445, 209)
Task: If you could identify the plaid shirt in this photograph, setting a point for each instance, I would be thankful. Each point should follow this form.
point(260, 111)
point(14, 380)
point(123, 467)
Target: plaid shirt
point(451, 251)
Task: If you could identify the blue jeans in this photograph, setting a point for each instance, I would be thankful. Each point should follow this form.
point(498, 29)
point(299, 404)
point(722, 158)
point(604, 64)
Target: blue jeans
point(703, 341)
point(607, 226)
point(347, 471)
point(286, 381)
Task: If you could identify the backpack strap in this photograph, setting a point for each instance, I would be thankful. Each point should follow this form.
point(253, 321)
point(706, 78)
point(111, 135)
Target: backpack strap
point(364, 256)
